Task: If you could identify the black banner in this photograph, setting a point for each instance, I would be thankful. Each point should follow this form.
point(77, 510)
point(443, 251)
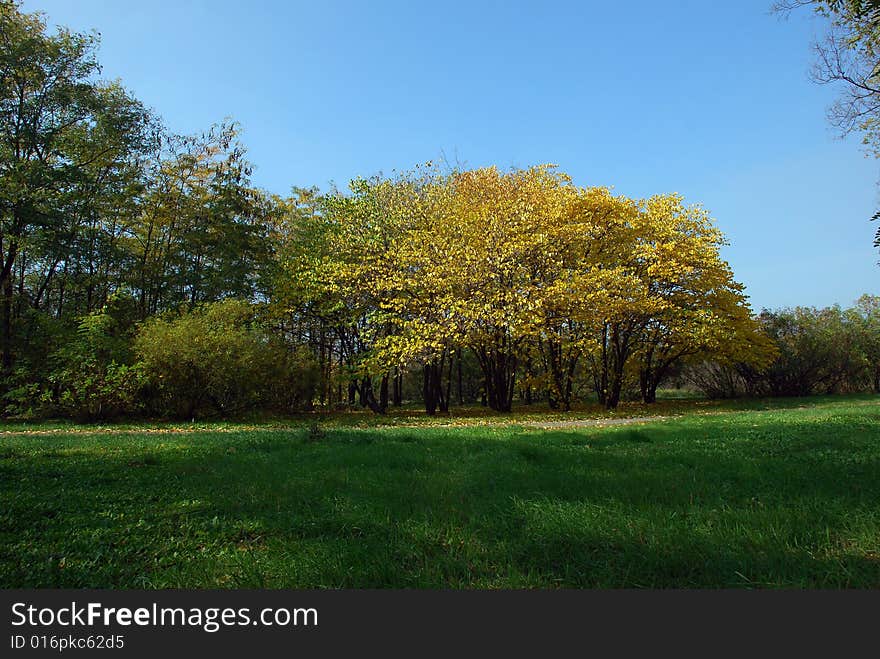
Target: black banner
point(407, 623)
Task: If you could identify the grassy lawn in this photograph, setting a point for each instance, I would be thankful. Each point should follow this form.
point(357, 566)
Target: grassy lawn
point(745, 494)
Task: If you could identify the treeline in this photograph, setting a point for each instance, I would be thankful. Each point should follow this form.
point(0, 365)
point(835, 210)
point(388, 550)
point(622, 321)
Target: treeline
point(106, 220)
point(819, 351)
point(144, 273)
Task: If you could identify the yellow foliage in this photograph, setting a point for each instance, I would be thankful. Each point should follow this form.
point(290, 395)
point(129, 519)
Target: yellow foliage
point(501, 261)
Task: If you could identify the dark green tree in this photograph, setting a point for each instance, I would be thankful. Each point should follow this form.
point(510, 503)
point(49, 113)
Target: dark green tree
point(65, 136)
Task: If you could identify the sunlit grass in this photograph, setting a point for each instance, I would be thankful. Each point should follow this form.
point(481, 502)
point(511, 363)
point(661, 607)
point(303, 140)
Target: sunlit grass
point(782, 495)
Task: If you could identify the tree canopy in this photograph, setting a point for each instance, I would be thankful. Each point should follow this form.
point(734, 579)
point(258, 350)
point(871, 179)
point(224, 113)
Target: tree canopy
point(144, 272)
point(518, 267)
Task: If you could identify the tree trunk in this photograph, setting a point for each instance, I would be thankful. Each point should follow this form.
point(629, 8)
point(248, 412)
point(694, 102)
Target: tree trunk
point(499, 371)
point(458, 367)
point(436, 393)
point(643, 384)
point(368, 396)
point(6, 284)
point(561, 368)
point(430, 389)
point(615, 386)
point(323, 368)
point(7, 324)
point(397, 390)
point(600, 378)
point(444, 402)
point(383, 395)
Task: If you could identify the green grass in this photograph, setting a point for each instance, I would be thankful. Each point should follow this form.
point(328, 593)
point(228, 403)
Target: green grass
point(753, 494)
point(670, 402)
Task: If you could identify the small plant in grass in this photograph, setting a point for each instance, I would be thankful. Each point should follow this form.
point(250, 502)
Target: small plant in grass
point(315, 433)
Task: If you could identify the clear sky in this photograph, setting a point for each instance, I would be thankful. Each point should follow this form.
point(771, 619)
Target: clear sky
point(709, 99)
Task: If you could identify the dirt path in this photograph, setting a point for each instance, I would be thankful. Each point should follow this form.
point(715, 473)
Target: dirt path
point(484, 422)
point(543, 425)
point(590, 423)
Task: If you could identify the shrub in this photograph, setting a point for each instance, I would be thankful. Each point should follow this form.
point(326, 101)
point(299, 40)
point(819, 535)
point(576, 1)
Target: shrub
point(84, 371)
point(826, 350)
point(218, 359)
point(723, 380)
point(92, 375)
point(819, 352)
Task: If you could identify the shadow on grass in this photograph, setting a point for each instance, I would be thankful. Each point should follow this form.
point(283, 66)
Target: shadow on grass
point(710, 504)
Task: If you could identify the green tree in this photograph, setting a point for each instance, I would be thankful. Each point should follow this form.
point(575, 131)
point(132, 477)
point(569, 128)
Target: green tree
point(866, 316)
point(61, 133)
point(203, 232)
point(819, 351)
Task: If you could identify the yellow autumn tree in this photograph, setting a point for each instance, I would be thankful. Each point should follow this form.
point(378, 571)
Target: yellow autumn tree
point(535, 276)
point(700, 308)
point(468, 270)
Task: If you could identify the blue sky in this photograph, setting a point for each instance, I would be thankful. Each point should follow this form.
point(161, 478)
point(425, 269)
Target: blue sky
point(708, 99)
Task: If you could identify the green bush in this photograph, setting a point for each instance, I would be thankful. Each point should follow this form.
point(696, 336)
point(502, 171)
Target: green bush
point(38, 336)
point(819, 351)
point(92, 375)
point(99, 392)
point(290, 378)
point(218, 359)
point(83, 371)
